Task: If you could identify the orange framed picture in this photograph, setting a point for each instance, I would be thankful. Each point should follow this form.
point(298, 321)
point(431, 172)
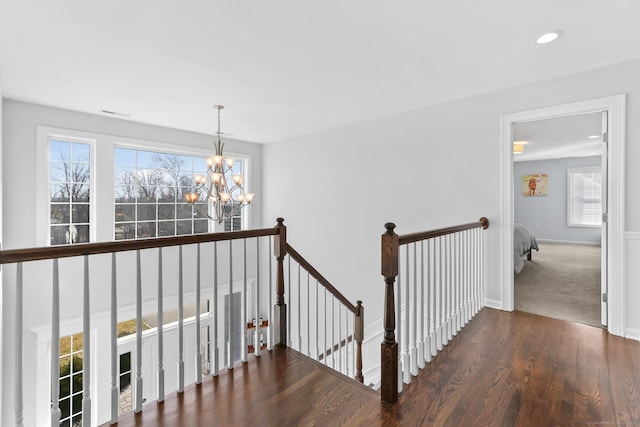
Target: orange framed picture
point(534, 185)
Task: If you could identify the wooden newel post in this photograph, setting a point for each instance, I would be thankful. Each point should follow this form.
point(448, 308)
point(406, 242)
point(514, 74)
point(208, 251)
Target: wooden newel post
point(359, 337)
point(280, 309)
point(389, 346)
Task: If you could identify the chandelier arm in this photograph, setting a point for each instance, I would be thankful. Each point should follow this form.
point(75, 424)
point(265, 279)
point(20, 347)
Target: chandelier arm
point(203, 212)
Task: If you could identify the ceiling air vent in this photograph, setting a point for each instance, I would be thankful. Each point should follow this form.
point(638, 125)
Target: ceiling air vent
point(115, 113)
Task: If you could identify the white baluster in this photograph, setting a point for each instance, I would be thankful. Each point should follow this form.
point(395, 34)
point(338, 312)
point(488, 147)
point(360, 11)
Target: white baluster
point(216, 351)
point(160, 322)
point(449, 289)
point(115, 394)
point(18, 349)
point(270, 297)
point(399, 323)
point(431, 306)
point(180, 322)
point(299, 313)
point(421, 318)
point(86, 350)
point(406, 355)
point(55, 346)
point(198, 326)
point(441, 285)
point(475, 271)
point(257, 344)
point(290, 314)
point(337, 352)
point(308, 316)
point(467, 272)
point(414, 318)
point(454, 287)
point(243, 313)
point(333, 331)
point(317, 357)
point(458, 270)
point(481, 250)
point(139, 384)
point(230, 311)
point(326, 325)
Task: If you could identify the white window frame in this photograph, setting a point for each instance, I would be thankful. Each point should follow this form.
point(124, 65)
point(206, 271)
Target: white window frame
point(185, 151)
point(102, 206)
point(570, 178)
point(44, 136)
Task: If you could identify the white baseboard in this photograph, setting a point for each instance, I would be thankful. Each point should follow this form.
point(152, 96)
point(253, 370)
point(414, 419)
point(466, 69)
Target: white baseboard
point(568, 242)
point(633, 334)
point(495, 304)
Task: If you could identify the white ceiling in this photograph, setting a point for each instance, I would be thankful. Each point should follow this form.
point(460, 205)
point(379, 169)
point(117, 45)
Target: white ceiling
point(560, 137)
point(285, 68)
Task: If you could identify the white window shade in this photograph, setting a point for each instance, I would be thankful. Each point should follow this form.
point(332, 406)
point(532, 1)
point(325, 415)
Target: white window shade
point(585, 197)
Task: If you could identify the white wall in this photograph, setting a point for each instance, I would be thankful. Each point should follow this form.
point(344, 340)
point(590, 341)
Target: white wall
point(1, 285)
point(19, 225)
point(422, 169)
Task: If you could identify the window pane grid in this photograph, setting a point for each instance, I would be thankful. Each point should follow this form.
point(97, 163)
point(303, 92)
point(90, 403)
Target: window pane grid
point(149, 194)
point(585, 196)
point(69, 197)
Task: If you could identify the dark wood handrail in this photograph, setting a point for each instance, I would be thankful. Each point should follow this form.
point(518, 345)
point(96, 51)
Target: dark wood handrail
point(51, 252)
point(424, 235)
point(320, 278)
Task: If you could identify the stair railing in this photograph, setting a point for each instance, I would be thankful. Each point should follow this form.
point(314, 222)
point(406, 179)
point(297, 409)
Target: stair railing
point(439, 289)
point(330, 321)
point(234, 269)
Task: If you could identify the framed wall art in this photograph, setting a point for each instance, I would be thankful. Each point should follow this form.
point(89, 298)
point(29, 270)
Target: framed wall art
point(534, 185)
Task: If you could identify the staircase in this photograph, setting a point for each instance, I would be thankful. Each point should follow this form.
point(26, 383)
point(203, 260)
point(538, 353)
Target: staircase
point(293, 359)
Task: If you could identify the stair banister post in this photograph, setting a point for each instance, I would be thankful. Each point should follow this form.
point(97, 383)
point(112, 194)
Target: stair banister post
point(280, 309)
point(389, 346)
point(359, 337)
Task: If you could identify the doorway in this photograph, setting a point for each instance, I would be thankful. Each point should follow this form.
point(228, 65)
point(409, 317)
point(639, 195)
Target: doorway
point(613, 259)
point(558, 198)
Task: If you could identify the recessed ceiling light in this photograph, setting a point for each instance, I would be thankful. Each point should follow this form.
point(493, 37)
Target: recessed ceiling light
point(520, 142)
point(593, 136)
point(549, 37)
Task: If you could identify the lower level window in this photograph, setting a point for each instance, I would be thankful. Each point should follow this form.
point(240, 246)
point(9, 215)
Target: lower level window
point(71, 381)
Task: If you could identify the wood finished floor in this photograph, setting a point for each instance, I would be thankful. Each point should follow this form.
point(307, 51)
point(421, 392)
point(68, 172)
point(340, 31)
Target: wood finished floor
point(503, 369)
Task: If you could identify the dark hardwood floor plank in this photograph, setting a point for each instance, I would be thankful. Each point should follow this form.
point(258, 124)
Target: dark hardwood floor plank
point(502, 369)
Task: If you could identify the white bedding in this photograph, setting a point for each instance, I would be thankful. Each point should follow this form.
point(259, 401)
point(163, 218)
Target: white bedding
point(523, 241)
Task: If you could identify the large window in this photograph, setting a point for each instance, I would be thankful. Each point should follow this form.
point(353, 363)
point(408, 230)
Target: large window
point(69, 192)
point(585, 197)
point(149, 194)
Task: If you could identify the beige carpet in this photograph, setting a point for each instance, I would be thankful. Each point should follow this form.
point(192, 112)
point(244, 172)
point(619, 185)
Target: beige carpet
point(562, 281)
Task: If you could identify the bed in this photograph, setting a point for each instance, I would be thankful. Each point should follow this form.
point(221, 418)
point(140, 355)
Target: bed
point(523, 243)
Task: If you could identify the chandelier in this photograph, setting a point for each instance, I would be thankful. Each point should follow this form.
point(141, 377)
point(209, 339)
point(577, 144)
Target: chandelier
point(219, 194)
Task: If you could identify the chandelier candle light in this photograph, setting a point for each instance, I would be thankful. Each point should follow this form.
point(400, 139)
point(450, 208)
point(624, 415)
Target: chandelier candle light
point(220, 186)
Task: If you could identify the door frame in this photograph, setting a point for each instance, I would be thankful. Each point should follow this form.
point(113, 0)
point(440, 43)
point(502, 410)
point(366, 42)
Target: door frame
point(616, 109)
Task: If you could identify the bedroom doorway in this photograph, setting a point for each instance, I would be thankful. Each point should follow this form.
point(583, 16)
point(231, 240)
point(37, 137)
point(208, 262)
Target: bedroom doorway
point(611, 113)
point(559, 168)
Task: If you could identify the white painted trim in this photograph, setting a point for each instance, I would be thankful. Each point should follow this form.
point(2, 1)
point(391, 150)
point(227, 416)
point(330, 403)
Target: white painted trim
point(616, 108)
